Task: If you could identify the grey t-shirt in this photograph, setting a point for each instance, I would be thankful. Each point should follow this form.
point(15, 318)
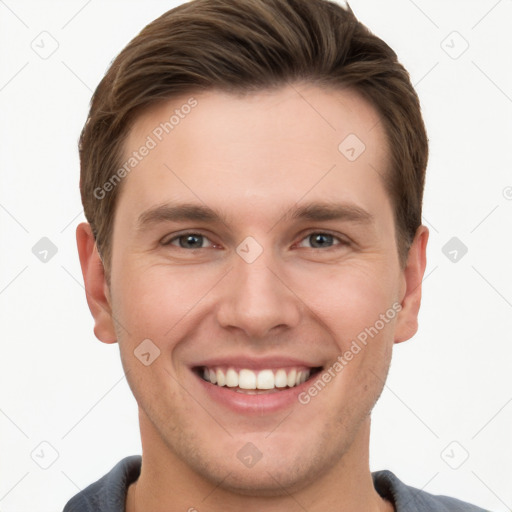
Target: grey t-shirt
point(109, 493)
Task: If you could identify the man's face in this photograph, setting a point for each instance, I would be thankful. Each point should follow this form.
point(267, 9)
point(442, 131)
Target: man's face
point(284, 254)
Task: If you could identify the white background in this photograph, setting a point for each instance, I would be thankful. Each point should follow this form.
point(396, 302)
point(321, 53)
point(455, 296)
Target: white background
point(452, 382)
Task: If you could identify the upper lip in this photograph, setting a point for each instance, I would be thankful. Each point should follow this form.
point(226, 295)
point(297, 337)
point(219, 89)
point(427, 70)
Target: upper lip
point(252, 363)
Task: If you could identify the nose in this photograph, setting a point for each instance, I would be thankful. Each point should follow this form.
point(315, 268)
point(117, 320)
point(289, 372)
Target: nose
point(257, 300)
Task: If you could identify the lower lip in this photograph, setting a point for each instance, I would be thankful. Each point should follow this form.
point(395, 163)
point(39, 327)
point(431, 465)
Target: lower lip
point(263, 403)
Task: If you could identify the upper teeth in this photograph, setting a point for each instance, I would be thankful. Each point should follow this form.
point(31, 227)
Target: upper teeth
point(263, 379)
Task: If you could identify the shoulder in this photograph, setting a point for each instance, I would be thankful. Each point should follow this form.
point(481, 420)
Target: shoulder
point(108, 494)
point(409, 498)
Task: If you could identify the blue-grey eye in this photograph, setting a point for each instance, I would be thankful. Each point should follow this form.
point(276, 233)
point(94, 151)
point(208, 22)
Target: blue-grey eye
point(190, 241)
point(320, 240)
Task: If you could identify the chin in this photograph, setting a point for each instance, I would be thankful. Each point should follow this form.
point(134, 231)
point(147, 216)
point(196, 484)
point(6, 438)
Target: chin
point(270, 480)
point(279, 472)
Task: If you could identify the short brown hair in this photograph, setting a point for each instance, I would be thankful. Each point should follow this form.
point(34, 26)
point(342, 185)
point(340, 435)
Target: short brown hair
point(243, 46)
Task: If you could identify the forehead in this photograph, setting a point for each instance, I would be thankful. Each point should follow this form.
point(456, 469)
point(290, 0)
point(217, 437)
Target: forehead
point(268, 148)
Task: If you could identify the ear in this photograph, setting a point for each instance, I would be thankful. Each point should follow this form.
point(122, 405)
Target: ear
point(96, 288)
point(407, 322)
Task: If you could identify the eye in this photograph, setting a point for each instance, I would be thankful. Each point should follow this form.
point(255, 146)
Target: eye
point(320, 240)
point(189, 241)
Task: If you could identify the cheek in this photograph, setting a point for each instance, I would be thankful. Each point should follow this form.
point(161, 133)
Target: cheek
point(350, 298)
point(152, 301)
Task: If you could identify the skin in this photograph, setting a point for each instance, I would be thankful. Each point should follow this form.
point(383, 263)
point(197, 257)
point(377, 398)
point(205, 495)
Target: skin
point(253, 159)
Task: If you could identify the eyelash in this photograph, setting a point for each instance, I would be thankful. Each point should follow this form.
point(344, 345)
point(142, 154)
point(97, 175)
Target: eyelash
point(340, 241)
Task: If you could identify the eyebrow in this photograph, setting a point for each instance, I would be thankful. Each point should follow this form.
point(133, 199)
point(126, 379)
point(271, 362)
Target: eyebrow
point(177, 213)
point(330, 211)
point(317, 211)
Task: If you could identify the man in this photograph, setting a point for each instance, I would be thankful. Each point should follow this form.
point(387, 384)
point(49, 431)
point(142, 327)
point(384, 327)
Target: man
point(252, 174)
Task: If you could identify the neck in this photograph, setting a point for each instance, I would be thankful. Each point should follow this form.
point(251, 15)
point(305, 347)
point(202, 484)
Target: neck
point(166, 483)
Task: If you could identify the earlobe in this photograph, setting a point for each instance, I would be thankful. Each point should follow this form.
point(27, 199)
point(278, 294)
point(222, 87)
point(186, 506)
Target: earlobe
point(96, 288)
point(407, 322)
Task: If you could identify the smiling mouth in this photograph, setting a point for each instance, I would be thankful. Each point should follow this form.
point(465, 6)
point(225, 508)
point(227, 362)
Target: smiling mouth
point(256, 382)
